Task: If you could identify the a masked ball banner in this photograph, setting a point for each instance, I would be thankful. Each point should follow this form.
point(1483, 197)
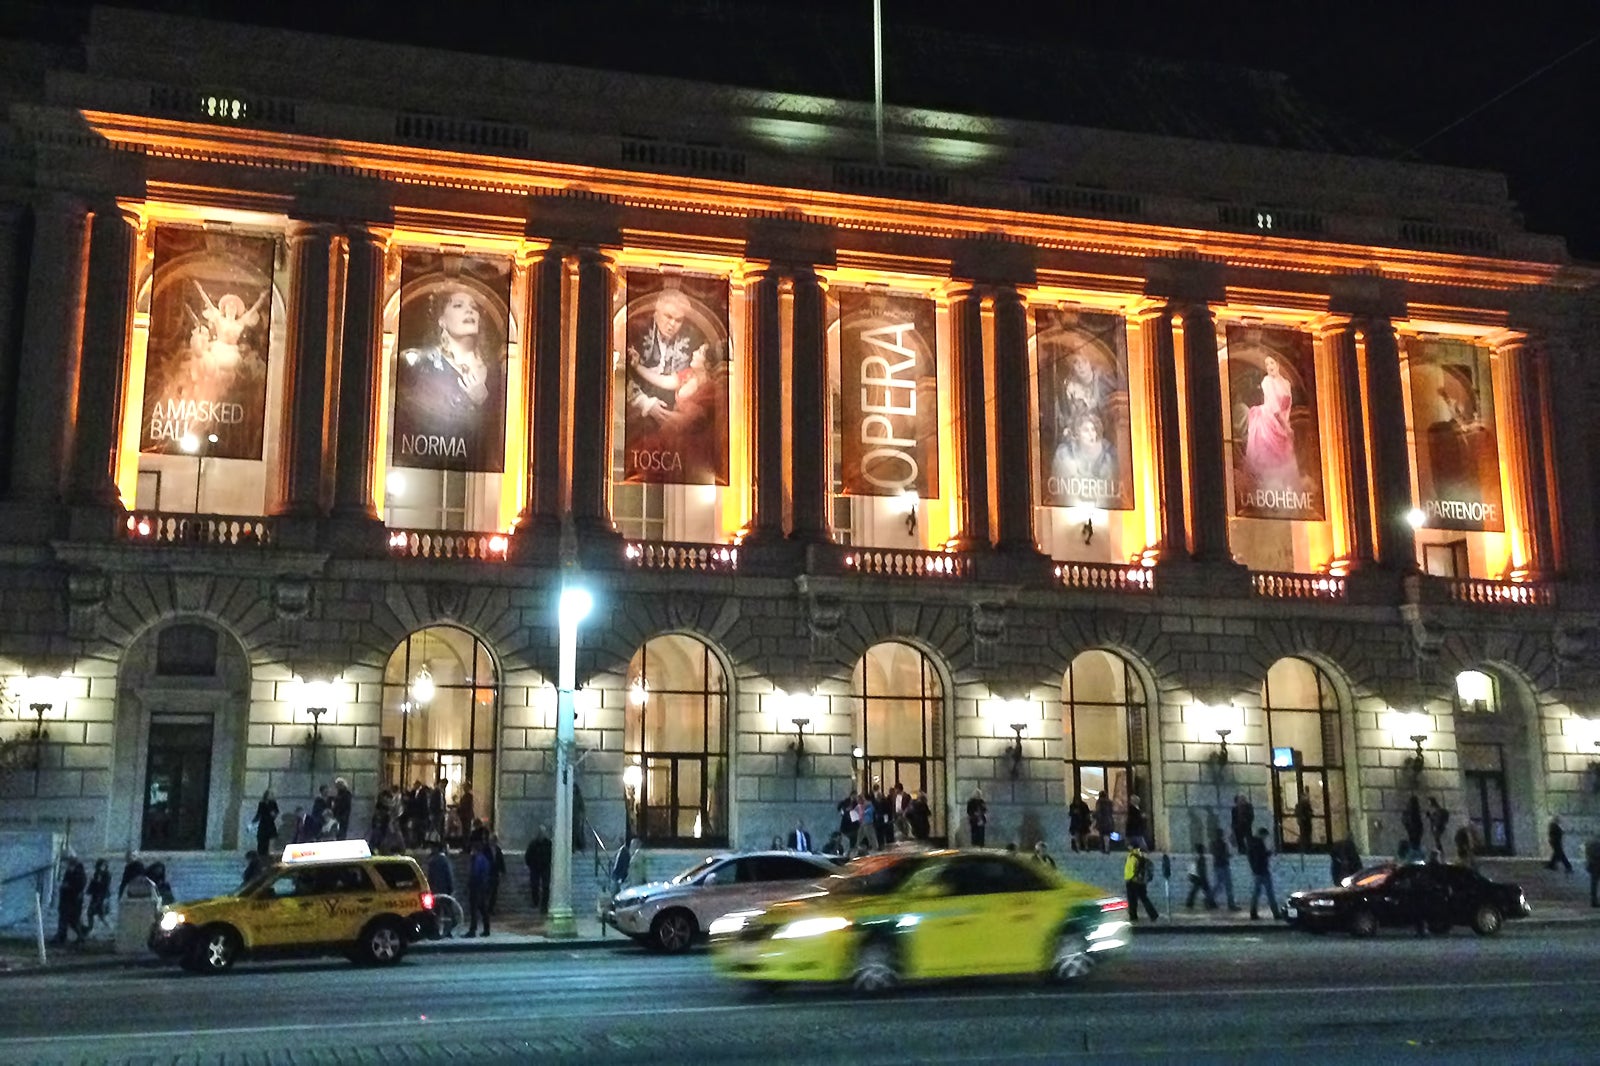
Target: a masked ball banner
point(1085, 443)
point(889, 389)
point(1458, 453)
point(675, 394)
point(450, 377)
point(1277, 454)
point(206, 365)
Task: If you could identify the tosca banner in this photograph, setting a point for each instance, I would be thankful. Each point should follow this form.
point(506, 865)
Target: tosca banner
point(675, 395)
point(1085, 442)
point(450, 375)
point(1452, 419)
point(1277, 449)
point(205, 372)
point(889, 395)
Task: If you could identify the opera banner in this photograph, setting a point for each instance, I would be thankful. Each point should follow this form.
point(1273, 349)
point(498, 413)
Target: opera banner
point(675, 414)
point(205, 374)
point(889, 395)
point(1277, 449)
point(450, 377)
point(1085, 441)
point(1458, 452)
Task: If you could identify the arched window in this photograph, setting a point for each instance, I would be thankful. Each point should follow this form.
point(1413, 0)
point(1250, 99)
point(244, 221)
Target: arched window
point(1491, 747)
point(441, 704)
point(1477, 693)
point(676, 729)
point(1308, 790)
point(900, 724)
point(1103, 718)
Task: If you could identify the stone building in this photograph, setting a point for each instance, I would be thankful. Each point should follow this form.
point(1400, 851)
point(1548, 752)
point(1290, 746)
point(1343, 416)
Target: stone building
point(1043, 460)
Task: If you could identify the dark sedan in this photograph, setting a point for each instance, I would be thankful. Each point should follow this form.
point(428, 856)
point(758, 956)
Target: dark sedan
point(1421, 895)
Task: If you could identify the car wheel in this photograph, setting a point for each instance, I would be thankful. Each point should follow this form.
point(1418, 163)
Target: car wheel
point(1363, 923)
point(877, 969)
point(673, 931)
point(1486, 920)
point(1071, 959)
point(383, 943)
point(215, 950)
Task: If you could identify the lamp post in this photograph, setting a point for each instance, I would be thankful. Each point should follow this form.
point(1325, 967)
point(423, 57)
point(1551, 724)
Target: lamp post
point(632, 778)
point(572, 608)
point(192, 445)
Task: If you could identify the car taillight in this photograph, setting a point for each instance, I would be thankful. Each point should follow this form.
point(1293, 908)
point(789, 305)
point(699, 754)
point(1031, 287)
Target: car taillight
point(1109, 905)
point(427, 901)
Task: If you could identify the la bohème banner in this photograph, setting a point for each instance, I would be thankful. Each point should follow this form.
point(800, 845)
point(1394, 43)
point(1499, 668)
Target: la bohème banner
point(889, 395)
point(205, 369)
point(1085, 442)
point(1458, 452)
point(1277, 450)
point(675, 394)
point(450, 376)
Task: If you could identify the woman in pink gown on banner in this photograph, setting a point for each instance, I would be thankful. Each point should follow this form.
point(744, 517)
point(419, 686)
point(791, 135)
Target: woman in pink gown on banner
point(1269, 439)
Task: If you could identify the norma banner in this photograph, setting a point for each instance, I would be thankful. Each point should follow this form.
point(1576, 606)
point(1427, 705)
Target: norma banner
point(205, 375)
point(1277, 450)
point(1085, 444)
point(675, 424)
point(450, 377)
point(1458, 453)
point(889, 395)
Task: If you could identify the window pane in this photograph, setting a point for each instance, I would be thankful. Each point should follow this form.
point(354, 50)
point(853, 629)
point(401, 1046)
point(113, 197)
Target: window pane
point(1294, 683)
point(1100, 733)
point(1098, 677)
point(1301, 730)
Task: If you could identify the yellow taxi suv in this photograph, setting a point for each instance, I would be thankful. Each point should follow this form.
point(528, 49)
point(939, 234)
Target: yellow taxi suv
point(321, 899)
point(898, 917)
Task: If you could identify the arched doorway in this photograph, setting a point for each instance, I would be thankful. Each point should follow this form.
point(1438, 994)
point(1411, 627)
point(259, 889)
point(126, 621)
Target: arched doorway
point(900, 724)
point(441, 713)
point(1493, 742)
point(676, 730)
point(1107, 750)
point(1306, 745)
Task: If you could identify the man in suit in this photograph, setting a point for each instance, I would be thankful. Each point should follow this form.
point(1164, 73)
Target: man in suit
point(538, 862)
point(800, 839)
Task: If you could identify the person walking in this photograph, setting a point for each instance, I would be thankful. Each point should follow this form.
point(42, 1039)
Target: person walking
point(1041, 855)
point(537, 859)
point(252, 868)
point(1078, 820)
point(99, 895)
point(850, 820)
point(1302, 821)
point(920, 816)
point(1591, 862)
point(132, 869)
point(1465, 852)
point(266, 822)
point(977, 818)
point(1438, 820)
point(1243, 821)
point(69, 901)
point(622, 866)
point(318, 818)
point(1137, 873)
point(1200, 881)
point(1105, 815)
point(480, 886)
point(1133, 825)
point(497, 869)
point(1221, 874)
point(1261, 876)
point(1558, 854)
point(343, 800)
point(1411, 822)
point(441, 878)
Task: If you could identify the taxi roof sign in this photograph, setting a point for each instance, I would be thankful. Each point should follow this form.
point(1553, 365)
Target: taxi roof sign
point(323, 850)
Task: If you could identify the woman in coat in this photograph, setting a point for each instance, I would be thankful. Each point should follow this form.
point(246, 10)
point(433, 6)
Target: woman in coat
point(266, 823)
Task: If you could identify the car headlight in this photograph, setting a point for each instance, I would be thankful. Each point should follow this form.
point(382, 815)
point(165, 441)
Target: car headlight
point(811, 927)
point(171, 920)
point(629, 904)
point(1318, 902)
point(729, 924)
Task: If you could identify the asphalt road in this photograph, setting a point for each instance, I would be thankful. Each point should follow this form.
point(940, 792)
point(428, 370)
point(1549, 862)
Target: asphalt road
point(1528, 995)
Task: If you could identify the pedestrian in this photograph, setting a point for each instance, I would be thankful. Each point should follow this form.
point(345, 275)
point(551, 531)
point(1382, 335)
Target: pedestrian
point(1558, 854)
point(1200, 881)
point(1078, 818)
point(800, 840)
point(157, 873)
point(920, 816)
point(1465, 852)
point(497, 869)
point(1105, 813)
point(1438, 819)
point(69, 901)
point(1591, 862)
point(1302, 821)
point(252, 868)
point(320, 812)
point(977, 817)
point(622, 865)
point(434, 799)
point(1133, 825)
point(343, 800)
point(132, 869)
point(1136, 875)
point(1221, 875)
point(850, 820)
point(537, 859)
point(441, 878)
point(1243, 822)
point(467, 811)
point(480, 885)
point(99, 895)
point(1041, 855)
point(1344, 860)
point(867, 816)
point(266, 822)
point(1411, 822)
point(382, 816)
point(1261, 875)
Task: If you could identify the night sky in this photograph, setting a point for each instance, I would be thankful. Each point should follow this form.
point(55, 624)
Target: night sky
point(1402, 71)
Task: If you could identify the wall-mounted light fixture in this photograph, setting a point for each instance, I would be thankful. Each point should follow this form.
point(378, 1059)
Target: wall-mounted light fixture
point(795, 712)
point(36, 700)
point(1416, 518)
point(632, 778)
point(1415, 727)
point(1221, 721)
point(907, 503)
point(1017, 716)
point(316, 698)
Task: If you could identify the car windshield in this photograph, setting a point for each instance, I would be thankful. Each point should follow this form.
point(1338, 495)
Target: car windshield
point(254, 885)
point(1371, 877)
point(695, 871)
point(875, 875)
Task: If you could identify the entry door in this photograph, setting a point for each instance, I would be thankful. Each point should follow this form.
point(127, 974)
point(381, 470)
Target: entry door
point(913, 775)
point(1486, 801)
point(177, 784)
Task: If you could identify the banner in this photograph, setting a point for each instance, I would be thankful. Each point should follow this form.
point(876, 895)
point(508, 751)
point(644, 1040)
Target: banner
point(450, 377)
point(1452, 418)
point(205, 372)
point(1085, 444)
point(675, 398)
point(889, 395)
point(1277, 447)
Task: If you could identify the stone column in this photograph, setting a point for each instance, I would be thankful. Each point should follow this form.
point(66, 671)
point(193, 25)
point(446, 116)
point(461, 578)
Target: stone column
point(591, 388)
point(1161, 399)
point(358, 379)
point(1349, 458)
point(1202, 400)
point(108, 321)
point(765, 413)
point(1013, 460)
point(300, 468)
point(1395, 542)
point(12, 227)
point(970, 401)
point(1525, 436)
point(542, 386)
point(810, 476)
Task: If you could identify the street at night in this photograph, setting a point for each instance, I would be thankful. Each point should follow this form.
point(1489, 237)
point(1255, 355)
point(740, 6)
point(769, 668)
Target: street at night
point(1527, 995)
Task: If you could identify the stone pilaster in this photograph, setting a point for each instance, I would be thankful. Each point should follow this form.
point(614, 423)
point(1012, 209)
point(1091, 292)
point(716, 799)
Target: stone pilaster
point(969, 385)
point(1395, 544)
point(1161, 399)
point(591, 386)
point(541, 517)
point(808, 394)
point(301, 469)
point(1349, 458)
point(1525, 441)
point(358, 379)
point(108, 321)
point(1202, 400)
point(765, 412)
point(1013, 457)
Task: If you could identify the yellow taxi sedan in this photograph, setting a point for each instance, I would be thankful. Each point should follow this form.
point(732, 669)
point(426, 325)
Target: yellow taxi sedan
point(911, 916)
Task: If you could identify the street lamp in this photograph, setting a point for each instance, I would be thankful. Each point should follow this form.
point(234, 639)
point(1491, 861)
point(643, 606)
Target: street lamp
point(572, 608)
point(632, 778)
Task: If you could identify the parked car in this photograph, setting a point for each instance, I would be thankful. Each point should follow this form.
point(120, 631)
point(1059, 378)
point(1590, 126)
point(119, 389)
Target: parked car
point(670, 915)
point(1433, 895)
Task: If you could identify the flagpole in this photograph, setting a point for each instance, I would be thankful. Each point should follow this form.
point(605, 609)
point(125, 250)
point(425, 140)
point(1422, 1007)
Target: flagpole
point(877, 73)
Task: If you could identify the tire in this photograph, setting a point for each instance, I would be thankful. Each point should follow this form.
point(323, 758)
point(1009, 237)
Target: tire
point(214, 951)
point(1362, 923)
point(1070, 959)
point(383, 943)
point(674, 931)
point(1487, 920)
point(877, 968)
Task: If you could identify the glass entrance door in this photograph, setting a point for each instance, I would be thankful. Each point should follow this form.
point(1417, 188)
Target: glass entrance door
point(1323, 791)
point(914, 775)
point(177, 784)
point(1488, 806)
